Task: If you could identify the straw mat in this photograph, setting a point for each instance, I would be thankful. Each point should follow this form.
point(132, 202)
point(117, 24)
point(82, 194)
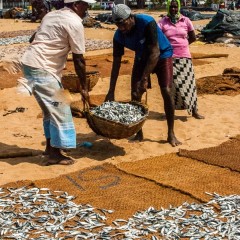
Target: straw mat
point(226, 154)
point(107, 187)
point(159, 182)
point(185, 175)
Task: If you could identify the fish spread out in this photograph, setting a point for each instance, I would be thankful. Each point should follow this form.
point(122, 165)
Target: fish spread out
point(39, 213)
point(125, 113)
point(91, 44)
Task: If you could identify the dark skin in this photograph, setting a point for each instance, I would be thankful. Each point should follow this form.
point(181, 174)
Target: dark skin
point(152, 59)
point(191, 38)
point(56, 155)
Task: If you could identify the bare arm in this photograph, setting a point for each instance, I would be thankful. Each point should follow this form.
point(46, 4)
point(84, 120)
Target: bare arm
point(80, 68)
point(32, 37)
point(114, 72)
point(191, 37)
point(153, 57)
point(152, 53)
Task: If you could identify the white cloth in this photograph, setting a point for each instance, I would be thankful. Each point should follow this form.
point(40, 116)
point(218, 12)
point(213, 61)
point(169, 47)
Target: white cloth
point(60, 32)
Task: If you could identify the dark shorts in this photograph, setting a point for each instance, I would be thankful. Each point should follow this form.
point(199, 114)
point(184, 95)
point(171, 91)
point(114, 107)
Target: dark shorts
point(163, 69)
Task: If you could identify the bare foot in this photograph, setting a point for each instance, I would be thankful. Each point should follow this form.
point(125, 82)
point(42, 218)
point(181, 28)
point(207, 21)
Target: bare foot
point(60, 160)
point(138, 136)
point(46, 152)
point(48, 148)
point(173, 141)
point(197, 115)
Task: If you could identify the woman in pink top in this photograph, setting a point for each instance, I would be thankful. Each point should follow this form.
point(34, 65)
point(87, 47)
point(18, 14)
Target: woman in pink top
point(180, 32)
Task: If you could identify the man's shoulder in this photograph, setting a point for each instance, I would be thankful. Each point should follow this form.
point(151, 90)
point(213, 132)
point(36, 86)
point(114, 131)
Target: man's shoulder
point(64, 13)
point(144, 16)
point(143, 19)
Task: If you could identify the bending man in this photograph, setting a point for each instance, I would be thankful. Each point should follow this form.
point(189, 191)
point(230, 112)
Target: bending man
point(153, 54)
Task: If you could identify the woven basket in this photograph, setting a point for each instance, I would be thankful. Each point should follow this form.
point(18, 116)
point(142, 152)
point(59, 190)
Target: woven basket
point(115, 130)
point(77, 109)
point(77, 106)
point(69, 80)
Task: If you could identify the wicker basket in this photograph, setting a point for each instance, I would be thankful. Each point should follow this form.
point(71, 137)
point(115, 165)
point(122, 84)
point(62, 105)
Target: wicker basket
point(77, 106)
point(69, 80)
point(115, 130)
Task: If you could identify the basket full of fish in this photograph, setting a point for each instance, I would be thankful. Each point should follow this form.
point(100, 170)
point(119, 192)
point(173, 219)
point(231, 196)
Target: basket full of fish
point(117, 120)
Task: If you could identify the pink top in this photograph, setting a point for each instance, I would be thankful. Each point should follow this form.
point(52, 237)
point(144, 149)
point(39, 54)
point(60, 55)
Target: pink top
point(177, 35)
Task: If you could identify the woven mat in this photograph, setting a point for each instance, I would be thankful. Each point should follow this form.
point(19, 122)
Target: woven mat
point(158, 182)
point(185, 175)
point(226, 154)
point(105, 186)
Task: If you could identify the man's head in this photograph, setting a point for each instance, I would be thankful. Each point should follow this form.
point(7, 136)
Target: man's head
point(120, 12)
point(121, 15)
point(79, 7)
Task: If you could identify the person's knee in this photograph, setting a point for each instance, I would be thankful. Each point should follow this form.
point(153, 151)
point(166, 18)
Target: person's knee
point(166, 91)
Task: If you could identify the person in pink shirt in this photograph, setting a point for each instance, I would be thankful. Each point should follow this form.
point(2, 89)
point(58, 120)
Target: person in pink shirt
point(180, 32)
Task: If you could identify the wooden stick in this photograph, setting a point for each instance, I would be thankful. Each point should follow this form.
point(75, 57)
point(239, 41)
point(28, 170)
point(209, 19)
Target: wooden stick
point(200, 55)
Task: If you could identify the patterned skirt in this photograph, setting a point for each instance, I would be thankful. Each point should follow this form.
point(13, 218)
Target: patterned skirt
point(57, 117)
point(185, 94)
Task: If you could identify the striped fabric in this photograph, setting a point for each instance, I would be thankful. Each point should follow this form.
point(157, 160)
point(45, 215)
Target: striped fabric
point(57, 117)
point(184, 84)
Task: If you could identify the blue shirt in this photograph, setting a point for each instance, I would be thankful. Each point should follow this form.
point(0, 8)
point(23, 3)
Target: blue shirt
point(136, 39)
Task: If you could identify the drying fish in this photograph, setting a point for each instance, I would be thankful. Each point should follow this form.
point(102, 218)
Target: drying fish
point(124, 113)
point(33, 213)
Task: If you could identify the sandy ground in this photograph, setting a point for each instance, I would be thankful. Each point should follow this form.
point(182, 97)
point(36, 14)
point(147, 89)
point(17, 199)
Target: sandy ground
point(21, 131)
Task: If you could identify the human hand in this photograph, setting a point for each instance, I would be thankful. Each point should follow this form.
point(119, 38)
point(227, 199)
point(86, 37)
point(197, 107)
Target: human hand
point(12, 66)
point(85, 97)
point(109, 97)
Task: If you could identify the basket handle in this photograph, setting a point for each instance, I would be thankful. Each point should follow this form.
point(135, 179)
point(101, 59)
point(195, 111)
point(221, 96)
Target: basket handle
point(86, 106)
point(146, 97)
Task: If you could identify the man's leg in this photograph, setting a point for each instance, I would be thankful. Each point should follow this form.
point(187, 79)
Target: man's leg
point(57, 121)
point(48, 147)
point(169, 111)
point(136, 77)
point(164, 71)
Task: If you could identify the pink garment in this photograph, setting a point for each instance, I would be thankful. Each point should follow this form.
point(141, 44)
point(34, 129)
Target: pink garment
point(177, 35)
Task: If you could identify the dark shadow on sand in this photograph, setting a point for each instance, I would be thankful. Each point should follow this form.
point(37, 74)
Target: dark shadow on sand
point(13, 154)
point(162, 117)
point(102, 148)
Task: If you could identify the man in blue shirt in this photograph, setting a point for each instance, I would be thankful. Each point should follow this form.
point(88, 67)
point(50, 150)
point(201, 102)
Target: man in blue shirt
point(153, 54)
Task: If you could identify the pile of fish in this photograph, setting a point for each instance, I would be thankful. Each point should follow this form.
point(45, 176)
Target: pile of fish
point(91, 44)
point(96, 44)
point(125, 113)
point(18, 50)
point(38, 213)
point(14, 40)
